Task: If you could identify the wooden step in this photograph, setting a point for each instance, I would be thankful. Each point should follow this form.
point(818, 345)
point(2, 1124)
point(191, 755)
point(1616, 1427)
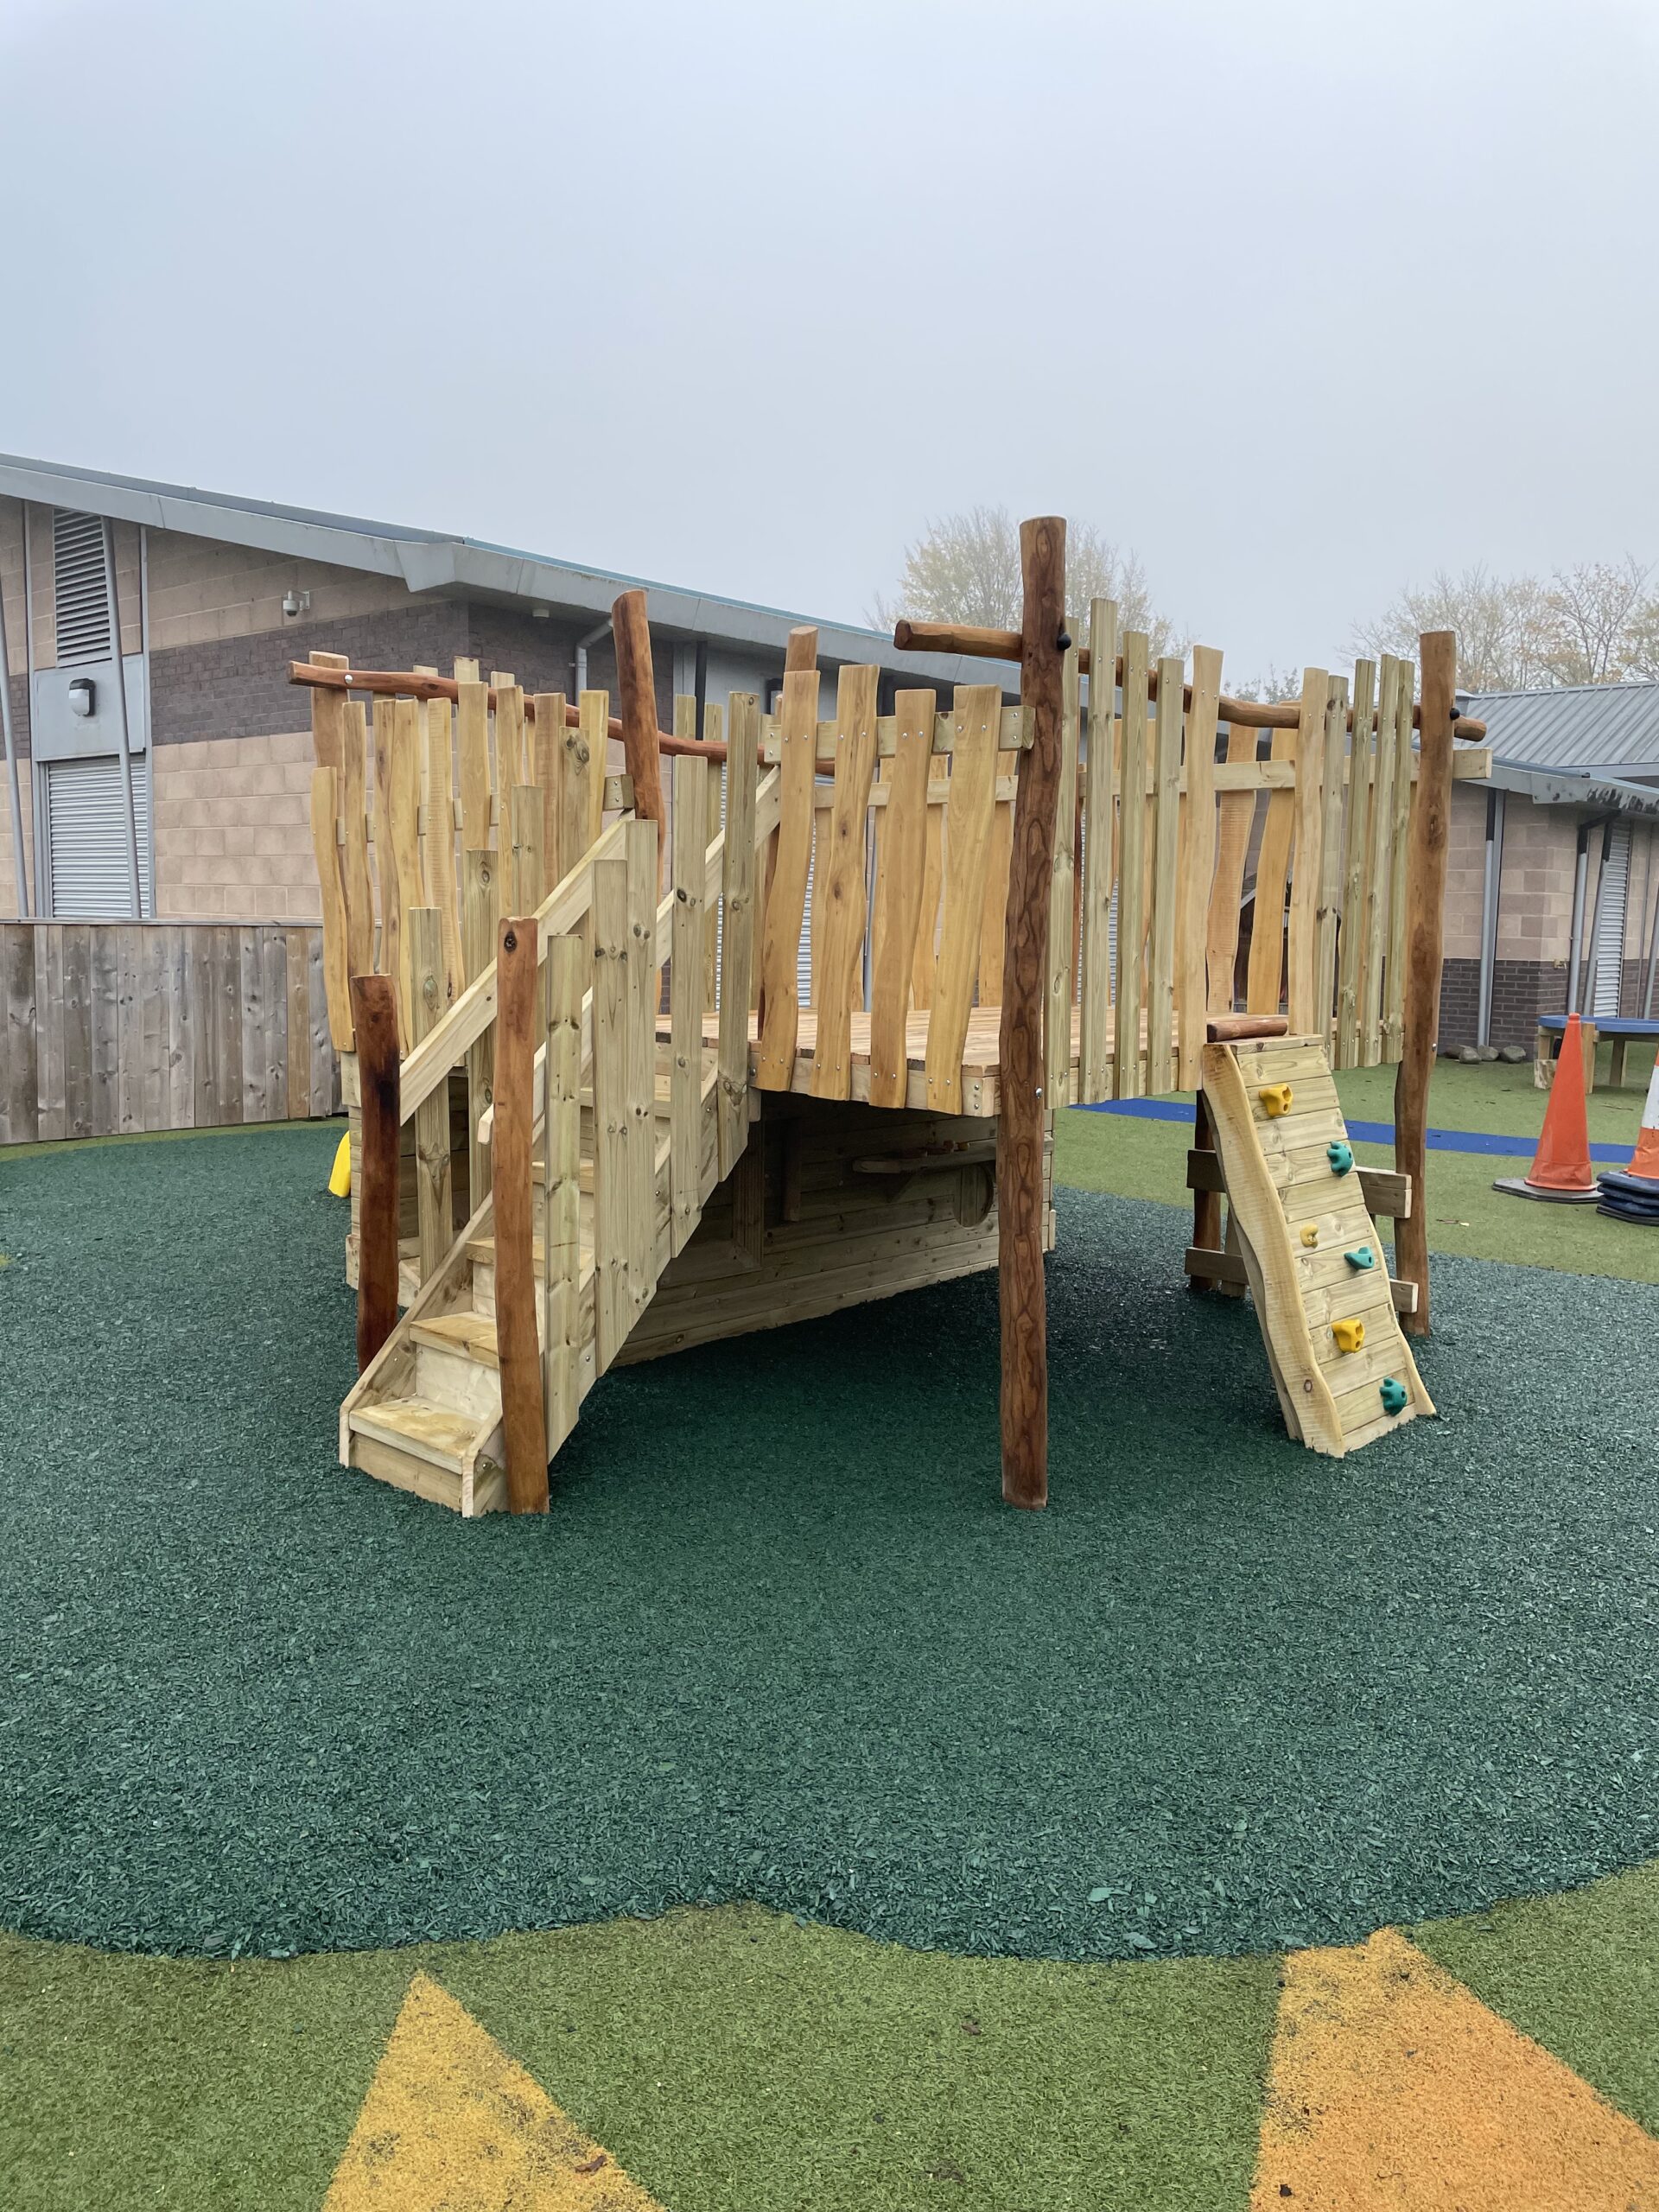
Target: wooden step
point(472, 1335)
point(434, 1433)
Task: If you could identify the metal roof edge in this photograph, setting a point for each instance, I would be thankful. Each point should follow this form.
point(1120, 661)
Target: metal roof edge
point(1557, 787)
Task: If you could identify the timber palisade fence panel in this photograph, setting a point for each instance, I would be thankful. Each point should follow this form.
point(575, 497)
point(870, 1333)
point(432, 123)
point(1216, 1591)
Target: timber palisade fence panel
point(115, 1029)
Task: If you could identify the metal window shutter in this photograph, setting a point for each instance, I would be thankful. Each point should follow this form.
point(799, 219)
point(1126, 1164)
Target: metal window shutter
point(1607, 950)
point(80, 589)
point(86, 837)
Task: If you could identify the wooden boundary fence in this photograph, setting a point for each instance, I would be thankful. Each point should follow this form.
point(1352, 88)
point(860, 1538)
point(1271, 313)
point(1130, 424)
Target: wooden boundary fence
point(110, 1028)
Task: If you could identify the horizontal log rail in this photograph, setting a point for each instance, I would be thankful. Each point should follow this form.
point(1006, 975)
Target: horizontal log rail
point(1243, 713)
point(403, 684)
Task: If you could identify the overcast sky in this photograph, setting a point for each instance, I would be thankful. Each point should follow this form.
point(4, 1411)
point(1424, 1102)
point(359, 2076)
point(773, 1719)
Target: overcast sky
point(1300, 300)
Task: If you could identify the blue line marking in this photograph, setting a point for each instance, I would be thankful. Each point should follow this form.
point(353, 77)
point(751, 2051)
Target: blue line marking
point(1169, 1109)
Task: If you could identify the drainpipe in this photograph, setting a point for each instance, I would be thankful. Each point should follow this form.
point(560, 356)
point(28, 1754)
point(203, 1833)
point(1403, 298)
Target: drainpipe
point(1653, 941)
point(11, 762)
point(600, 630)
point(1488, 914)
point(1579, 869)
point(121, 715)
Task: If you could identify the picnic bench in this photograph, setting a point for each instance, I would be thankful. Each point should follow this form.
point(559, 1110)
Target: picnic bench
point(1621, 1030)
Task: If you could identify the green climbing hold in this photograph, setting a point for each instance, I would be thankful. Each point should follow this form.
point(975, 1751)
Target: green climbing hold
point(1362, 1257)
point(1341, 1157)
point(1395, 1396)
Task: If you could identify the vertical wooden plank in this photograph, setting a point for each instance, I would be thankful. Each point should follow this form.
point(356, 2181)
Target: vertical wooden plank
point(51, 1003)
point(1377, 865)
point(584, 776)
point(900, 868)
point(1099, 853)
point(356, 883)
point(296, 1026)
point(227, 1022)
point(473, 744)
point(1264, 977)
point(786, 899)
point(1362, 754)
point(1024, 1121)
point(273, 954)
point(429, 1002)
point(104, 972)
point(842, 885)
point(976, 720)
point(405, 815)
point(201, 947)
point(1426, 919)
point(250, 1021)
point(1400, 917)
point(519, 1017)
point(1129, 1063)
point(1235, 814)
point(1198, 864)
point(685, 1000)
point(1332, 788)
point(180, 1060)
point(442, 885)
point(593, 715)
point(738, 866)
point(1165, 878)
point(1307, 1018)
point(326, 1062)
point(639, 852)
point(523, 886)
point(151, 1104)
point(374, 1010)
point(561, 1216)
point(925, 960)
point(130, 1049)
point(479, 906)
point(1061, 979)
point(20, 1091)
point(78, 1029)
point(612, 1311)
point(513, 763)
point(548, 738)
point(335, 938)
point(712, 720)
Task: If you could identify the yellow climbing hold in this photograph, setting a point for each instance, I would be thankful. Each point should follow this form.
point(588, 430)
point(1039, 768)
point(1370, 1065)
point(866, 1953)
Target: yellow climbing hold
point(1350, 1335)
point(1275, 1100)
point(339, 1175)
point(451, 2124)
point(1391, 2085)
point(1310, 1234)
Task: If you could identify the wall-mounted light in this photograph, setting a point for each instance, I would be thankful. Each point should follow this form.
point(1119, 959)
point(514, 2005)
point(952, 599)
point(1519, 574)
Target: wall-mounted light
point(539, 613)
point(296, 602)
point(83, 697)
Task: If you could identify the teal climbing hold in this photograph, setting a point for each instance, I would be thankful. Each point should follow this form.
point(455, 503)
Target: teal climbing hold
point(1361, 1257)
point(1395, 1396)
point(1341, 1157)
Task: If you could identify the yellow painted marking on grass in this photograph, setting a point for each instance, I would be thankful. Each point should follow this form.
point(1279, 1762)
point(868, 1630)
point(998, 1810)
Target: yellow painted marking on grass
point(451, 2124)
point(1391, 2084)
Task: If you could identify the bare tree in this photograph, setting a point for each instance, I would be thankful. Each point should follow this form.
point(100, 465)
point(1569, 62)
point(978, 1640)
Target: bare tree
point(1596, 623)
point(966, 568)
point(1595, 610)
point(1277, 684)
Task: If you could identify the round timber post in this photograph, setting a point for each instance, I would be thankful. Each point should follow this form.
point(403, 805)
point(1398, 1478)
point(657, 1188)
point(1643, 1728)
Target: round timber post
point(1024, 1107)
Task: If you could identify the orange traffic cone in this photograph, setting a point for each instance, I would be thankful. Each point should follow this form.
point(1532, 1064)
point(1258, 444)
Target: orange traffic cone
point(1561, 1168)
point(1644, 1161)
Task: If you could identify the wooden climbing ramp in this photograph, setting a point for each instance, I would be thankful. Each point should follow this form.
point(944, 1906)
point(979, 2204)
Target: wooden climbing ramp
point(1304, 1232)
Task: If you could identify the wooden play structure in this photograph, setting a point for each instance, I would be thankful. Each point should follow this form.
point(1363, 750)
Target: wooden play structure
point(625, 1076)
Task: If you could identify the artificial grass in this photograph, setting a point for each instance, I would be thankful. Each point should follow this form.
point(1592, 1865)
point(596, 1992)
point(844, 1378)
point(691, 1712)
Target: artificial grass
point(1580, 1973)
point(778, 1639)
point(1132, 1158)
point(725, 2059)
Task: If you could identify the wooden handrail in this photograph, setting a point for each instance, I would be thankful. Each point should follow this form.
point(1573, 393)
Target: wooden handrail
point(1243, 713)
point(471, 1014)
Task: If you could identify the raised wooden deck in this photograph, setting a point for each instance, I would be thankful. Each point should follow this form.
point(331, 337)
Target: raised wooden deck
point(980, 1067)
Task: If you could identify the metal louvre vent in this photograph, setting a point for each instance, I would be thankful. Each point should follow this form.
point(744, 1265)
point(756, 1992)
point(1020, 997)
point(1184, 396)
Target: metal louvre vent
point(82, 602)
point(1607, 935)
point(86, 837)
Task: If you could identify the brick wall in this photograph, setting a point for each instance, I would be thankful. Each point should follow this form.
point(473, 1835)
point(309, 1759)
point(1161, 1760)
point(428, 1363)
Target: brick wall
point(1521, 990)
point(232, 828)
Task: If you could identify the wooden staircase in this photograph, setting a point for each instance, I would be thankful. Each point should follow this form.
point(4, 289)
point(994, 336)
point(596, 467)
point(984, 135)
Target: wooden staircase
point(427, 1415)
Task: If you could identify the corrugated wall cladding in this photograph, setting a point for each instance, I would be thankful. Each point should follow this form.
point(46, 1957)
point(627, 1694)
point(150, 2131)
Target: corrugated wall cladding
point(109, 1029)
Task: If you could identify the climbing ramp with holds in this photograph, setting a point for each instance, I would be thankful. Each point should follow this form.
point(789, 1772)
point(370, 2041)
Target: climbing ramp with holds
point(1302, 1228)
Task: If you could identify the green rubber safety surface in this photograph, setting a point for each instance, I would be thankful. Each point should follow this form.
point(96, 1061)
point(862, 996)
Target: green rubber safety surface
point(778, 1639)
